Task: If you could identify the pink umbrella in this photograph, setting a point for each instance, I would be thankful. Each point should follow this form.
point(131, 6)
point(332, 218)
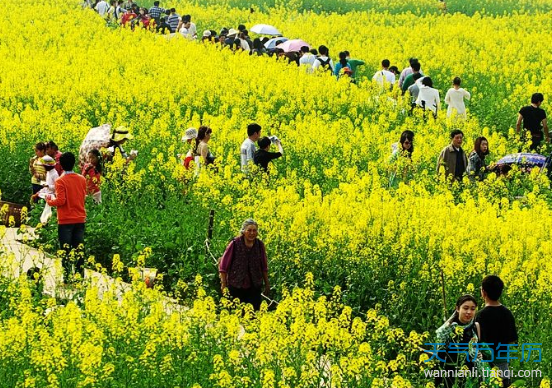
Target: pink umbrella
point(293, 45)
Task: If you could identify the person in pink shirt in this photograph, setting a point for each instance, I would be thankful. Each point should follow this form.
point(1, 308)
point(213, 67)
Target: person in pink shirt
point(53, 151)
point(243, 267)
point(92, 172)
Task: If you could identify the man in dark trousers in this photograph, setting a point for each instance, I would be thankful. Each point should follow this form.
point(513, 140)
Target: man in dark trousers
point(498, 326)
point(69, 199)
point(534, 120)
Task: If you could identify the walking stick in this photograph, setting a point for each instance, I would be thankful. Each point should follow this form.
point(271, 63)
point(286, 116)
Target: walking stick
point(444, 295)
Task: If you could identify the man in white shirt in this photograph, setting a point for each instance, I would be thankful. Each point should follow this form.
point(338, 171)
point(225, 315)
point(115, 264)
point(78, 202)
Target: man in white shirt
point(384, 75)
point(102, 8)
point(307, 59)
point(190, 31)
point(247, 149)
point(323, 61)
point(455, 99)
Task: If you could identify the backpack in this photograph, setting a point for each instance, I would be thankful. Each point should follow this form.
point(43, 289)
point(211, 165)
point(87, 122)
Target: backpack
point(325, 64)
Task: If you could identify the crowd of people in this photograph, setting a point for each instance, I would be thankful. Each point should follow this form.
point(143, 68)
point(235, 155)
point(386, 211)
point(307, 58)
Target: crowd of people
point(243, 267)
point(46, 167)
point(453, 160)
point(411, 80)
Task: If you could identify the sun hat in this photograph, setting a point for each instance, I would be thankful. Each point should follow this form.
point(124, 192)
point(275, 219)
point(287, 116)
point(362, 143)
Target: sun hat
point(206, 33)
point(191, 133)
point(233, 32)
point(47, 160)
point(121, 133)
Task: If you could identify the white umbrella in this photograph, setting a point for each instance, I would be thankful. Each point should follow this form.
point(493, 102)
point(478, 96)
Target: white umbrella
point(265, 29)
point(271, 44)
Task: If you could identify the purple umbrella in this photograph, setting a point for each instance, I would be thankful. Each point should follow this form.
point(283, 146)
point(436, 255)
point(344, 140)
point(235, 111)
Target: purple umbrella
point(293, 45)
point(523, 158)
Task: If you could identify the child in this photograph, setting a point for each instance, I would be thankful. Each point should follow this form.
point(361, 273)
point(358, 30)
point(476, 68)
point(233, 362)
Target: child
point(189, 136)
point(263, 156)
point(497, 323)
point(48, 187)
point(37, 169)
point(92, 171)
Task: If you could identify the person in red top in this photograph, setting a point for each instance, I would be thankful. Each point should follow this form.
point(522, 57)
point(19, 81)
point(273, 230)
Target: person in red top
point(69, 199)
point(128, 17)
point(53, 151)
point(243, 267)
point(92, 172)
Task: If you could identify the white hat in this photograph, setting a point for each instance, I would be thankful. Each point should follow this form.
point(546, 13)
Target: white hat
point(47, 160)
point(233, 32)
point(191, 133)
point(206, 33)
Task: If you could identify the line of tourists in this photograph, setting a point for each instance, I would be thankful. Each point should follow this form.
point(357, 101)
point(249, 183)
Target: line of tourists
point(453, 160)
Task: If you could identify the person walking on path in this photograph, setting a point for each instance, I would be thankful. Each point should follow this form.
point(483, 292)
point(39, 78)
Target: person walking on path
point(247, 149)
point(36, 168)
point(342, 67)
point(409, 80)
point(428, 96)
point(498, 326)
point(400, 161)
point(455, 99)
point(384, 75)
point(354, 64)
point(69, 199)
point(477, 166)
point(263, 156)
point(534, 120)
point(202, 147)
point(453, 158)
point(243, 267)
point(49, 186)
point(92, 172)
point(53, 151)
point(407, 71)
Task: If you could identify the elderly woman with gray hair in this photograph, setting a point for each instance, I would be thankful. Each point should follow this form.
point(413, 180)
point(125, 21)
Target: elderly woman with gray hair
point(243, 267)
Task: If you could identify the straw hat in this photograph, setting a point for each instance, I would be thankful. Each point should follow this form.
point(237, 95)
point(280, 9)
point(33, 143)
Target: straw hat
point(121, 133)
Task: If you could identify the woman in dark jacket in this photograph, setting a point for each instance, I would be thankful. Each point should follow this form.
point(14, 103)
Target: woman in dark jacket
point(477, 166)
point(243, 267)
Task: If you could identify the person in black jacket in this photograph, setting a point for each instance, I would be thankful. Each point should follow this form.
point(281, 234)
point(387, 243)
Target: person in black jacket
point(498, 326)
point(263, 156)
